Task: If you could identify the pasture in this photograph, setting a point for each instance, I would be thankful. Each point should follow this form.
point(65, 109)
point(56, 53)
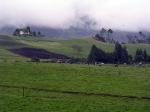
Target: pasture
point(66, 47)
point(123, 81)
point(69, 87)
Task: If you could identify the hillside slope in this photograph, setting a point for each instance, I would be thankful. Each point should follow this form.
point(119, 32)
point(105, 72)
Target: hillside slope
point(71, 47)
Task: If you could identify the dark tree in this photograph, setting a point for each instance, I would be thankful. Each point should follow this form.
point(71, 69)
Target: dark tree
point(103, 32)
point(16, 32)
point(139, 56)
point(97, 36)
point(100, 38)
point(145, 55)
point(125, 55)
point(96, 55)
point(92, 56)
point(110, 31)
point(109, 58)
point(121, 54)
point(39, 33)
point(28, 29)
point(118, 53)
point(142, 34)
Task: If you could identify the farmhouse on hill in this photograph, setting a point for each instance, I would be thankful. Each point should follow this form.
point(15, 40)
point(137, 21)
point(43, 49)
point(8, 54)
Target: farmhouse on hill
point(26, 32)
point(23, 32)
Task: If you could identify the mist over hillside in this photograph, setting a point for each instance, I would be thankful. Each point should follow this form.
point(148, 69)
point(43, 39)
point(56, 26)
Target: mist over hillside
point(75, 32)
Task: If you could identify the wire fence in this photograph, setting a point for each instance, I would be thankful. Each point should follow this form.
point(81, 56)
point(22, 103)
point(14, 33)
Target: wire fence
point(32, 92)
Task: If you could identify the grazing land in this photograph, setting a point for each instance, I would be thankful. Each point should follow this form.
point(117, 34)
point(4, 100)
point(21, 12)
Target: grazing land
point(45, 87)
point(66, 47)
point(107, 79)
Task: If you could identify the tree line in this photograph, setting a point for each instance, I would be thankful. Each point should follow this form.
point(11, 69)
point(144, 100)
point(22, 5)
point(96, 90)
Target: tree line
point(139, 37)
point(105, 35)
point(120, 55)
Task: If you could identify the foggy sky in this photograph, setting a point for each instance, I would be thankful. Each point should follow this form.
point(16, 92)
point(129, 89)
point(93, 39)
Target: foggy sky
point(128, 15)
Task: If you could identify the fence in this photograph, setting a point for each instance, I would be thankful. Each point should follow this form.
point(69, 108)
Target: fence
point(23, 91)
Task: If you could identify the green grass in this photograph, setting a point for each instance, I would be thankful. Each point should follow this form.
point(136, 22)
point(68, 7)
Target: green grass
point(71, 104)
point(124, 80)
point(63, 46)
point(7, 42)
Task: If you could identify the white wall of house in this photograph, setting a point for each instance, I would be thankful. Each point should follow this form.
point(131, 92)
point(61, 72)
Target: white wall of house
point(21, 33)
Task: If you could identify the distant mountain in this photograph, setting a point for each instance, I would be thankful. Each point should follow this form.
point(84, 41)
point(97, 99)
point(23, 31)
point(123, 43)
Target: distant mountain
point(72, 32)
point(7, 30)
point(77, 32)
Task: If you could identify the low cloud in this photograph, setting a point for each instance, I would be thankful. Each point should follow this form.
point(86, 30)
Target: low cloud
point(130, 15)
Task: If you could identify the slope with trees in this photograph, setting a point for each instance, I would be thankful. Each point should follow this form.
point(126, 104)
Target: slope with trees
point(120, 55)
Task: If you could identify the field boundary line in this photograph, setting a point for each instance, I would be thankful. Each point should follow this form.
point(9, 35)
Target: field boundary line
point(76, 93)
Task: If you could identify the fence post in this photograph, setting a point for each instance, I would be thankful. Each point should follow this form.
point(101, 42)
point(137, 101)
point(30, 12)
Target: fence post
point(23, 91)
point(89, 68)
point(119, 71)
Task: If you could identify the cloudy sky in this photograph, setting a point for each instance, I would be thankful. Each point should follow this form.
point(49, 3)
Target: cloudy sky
point(117, 14)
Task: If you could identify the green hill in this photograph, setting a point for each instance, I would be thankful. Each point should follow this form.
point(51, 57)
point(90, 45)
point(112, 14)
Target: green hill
point(68, 47)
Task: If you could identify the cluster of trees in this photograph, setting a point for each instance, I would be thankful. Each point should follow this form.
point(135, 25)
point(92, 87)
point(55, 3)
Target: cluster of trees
point(120, 55)
point(139, 37)
point(105, 35)
point(141, 56)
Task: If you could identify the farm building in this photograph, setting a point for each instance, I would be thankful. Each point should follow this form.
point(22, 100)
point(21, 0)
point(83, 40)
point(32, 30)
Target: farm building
point(27, 32)
point(23, 32)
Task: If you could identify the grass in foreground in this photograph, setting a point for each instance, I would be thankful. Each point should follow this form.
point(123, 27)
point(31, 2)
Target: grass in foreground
point(71, 104)
point(124, 80)
point(128, 80)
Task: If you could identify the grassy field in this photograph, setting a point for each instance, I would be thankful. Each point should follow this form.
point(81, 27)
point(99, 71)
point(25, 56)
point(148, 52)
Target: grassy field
point(71, 104)
point(107, 79)
point(66, 46)
point(123, 80)
point(60, 46)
